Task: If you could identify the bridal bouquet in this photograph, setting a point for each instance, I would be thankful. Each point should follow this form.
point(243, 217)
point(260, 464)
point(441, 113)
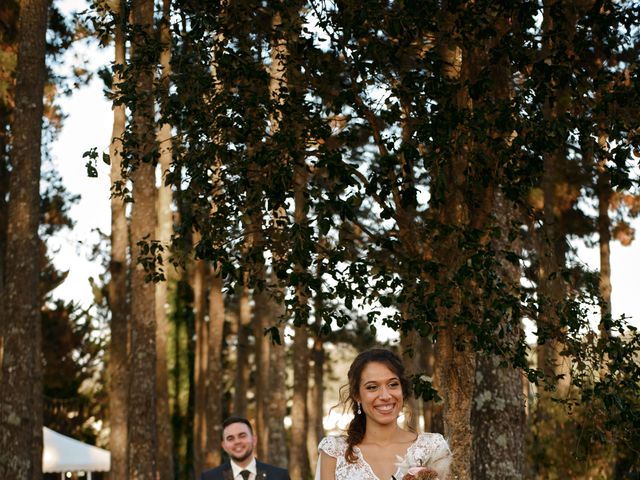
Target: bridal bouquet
point(415, 473)
point(419, 473)
point(425, 464)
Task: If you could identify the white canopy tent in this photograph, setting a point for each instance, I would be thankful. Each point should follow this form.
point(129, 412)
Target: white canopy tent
point(64, 454)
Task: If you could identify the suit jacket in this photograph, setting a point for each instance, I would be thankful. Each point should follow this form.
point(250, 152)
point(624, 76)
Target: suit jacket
point(264, 472)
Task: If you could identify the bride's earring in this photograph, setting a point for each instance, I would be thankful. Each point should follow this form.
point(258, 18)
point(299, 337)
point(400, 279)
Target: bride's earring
point(359, 409)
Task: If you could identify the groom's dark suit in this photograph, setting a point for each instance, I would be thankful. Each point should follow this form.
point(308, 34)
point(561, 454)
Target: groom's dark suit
point(264, 472)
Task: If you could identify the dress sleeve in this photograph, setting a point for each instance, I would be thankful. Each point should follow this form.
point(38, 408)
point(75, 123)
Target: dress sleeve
point(333, 446)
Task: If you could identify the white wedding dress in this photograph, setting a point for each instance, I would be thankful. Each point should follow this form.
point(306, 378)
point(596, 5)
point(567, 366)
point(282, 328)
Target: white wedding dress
point(429, 449)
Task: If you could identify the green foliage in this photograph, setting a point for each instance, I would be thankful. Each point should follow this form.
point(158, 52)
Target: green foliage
point(587, 440)
point(422, 387)
point(74, 393)
point(410, 161)
point(381, 185)
point(594, 430)
point(181, 370)
point(562, 444)
point(150, 257)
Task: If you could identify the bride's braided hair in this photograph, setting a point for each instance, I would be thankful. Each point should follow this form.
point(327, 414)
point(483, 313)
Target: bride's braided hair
point(358, 426)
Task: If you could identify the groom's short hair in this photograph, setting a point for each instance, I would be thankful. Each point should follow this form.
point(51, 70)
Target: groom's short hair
point(235, 419)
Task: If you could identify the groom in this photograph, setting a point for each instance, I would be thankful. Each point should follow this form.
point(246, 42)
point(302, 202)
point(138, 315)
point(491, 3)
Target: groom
point(239, 441)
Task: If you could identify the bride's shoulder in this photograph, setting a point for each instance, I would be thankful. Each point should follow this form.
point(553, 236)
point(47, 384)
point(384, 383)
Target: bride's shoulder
point(334, 445)
point(431, 439)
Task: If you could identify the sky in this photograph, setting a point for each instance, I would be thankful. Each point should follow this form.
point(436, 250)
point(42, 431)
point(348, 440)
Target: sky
point(88, 125)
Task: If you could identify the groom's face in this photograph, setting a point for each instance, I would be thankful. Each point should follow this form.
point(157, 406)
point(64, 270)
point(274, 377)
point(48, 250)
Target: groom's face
point(238, 442)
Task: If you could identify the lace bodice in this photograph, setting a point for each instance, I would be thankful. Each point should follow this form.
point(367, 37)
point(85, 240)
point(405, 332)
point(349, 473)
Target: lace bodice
point(429, 449)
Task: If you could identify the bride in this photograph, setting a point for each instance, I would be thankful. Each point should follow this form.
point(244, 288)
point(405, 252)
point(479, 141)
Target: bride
point(375, 447)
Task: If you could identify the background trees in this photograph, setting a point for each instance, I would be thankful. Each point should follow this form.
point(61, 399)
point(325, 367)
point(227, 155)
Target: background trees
point(325, 168)
point(21, 380)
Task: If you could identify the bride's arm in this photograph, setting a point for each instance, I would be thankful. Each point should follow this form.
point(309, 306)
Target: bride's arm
point(326, 468)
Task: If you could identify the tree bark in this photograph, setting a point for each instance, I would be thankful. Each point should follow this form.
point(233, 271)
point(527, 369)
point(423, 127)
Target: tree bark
point(315, 408)
point(200, 364)
point(20, 327)
point(260, 321)
point(277, 395)
point(498, 421)
point(458, 371)
point(119, 270)
point(215, 374)
point(498, 415)
point(243, 371)
point(164, 232)
point(603, 189)
point(262, 360)
point(298, 464)
point(142, 434)
point(457, 362)
point(550, 283)
point(552, 235)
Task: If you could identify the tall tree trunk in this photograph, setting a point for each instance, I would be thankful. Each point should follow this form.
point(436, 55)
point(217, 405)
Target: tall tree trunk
point(315, 410)
point(412, 247)
point(164, 232)
point(498, 416)
point(142, 387)
point(498, 421)
point(603, 189)
point(119, 270)
point(298, 465)
point(243, 371)
point(20, 327)
point(277, 395)
point(180, 381)
point(298, 459)
point(550, 283)
point(552, 244)
point(215, 374)
point(200, 373)
point(261, 318)
point(189, 432)
point(456, 367)
point(5, 176)
point(184, 354)
point(458, 374)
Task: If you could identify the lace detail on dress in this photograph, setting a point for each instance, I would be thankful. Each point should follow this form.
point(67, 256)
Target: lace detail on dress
point(428, 447)
point(334, 446)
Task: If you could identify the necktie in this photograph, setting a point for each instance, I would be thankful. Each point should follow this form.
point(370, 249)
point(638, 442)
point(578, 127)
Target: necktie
point(245, 474)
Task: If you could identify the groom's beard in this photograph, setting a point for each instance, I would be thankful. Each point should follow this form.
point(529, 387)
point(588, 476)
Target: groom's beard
point(242, 458)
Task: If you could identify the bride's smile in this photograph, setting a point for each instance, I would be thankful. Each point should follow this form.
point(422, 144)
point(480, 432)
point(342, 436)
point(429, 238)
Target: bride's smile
point(381, 393)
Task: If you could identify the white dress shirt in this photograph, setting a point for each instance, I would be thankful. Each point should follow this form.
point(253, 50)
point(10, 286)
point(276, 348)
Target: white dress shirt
point(236, 469)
